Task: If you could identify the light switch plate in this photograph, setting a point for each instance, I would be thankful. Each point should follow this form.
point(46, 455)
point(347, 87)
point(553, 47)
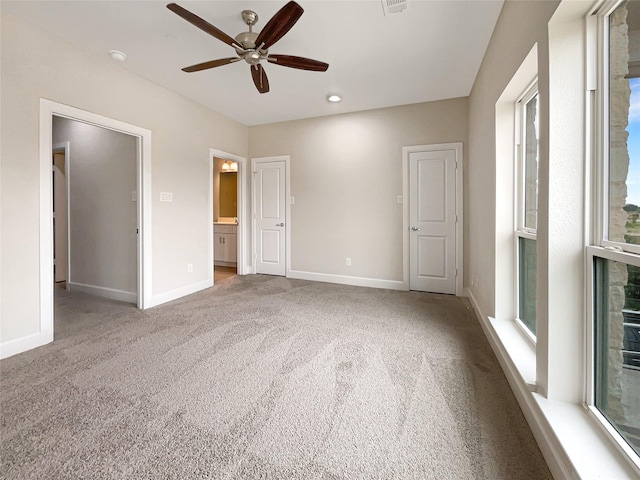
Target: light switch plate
point(292, 200)
point(166, 197)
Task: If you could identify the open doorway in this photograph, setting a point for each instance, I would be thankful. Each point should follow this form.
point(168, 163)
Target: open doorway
point(225, 218)
point(227, 213)
point(94, 210)
point(48, 110)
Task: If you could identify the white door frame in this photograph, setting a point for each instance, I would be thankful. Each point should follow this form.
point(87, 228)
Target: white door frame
point(242, 267)
point(287, 224)
point(48, 109)
point(406, 151)
point(65, 148)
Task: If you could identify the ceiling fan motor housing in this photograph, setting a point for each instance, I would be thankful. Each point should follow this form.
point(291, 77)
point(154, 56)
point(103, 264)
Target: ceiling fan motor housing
point(251, 55)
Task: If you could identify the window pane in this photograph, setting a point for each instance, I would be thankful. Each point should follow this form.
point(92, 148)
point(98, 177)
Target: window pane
point(617, 347)
point(531, 163)
point(527, 283)
point(624, 123)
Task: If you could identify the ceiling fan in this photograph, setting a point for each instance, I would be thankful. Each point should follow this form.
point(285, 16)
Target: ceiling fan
point(251, 46)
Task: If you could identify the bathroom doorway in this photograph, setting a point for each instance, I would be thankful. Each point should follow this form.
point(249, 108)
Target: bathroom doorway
point(227, 213)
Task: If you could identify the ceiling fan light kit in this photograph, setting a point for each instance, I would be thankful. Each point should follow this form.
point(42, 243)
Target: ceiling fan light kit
point(253, 47)
point(117, 55)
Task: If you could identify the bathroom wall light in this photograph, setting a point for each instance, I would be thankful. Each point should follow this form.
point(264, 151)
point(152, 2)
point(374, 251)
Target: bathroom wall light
point(229, 166)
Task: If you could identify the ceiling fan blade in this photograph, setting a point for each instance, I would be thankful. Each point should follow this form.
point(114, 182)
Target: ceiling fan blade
point(212, 64)
point(298, 62)
point(279, 25)
point(203, 25)
point(260, 78)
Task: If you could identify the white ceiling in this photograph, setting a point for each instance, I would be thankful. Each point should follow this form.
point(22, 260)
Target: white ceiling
point(431, 51)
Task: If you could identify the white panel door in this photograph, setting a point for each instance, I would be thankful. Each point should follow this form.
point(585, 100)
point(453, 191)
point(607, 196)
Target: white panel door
point(432, 221)
point(270, 215)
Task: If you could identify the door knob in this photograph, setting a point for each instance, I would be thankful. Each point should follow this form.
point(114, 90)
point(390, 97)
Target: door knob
point(279, 224)
point(415, 229)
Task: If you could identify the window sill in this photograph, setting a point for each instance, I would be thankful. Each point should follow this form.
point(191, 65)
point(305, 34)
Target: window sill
point(521, 350)
point(570, 438)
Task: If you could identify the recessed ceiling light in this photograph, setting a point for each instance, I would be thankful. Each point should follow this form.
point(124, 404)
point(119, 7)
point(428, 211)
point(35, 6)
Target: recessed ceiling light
point(117, 55)
point(334, 98)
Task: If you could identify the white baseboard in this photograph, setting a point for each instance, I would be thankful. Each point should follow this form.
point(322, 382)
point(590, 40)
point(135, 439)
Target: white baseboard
point(179, 293)
point(571, 442)
point(549, 445)
point(19, 345)
point(226, 264)
point(346, 280)
point(112, 293)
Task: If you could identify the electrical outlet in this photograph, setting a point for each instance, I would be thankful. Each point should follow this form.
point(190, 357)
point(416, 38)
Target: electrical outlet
point(189, 267)
point(347, 262)
point(399, 199)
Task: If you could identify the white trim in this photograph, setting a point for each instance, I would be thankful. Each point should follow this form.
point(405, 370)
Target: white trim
point(615, 438)
point(226, 264)
point(46, 221)
point(243, 216)
point(144, 215)
point(526, 333)
point(19, 345)
point(347, 280)
point(604, 423)
point(526, 234)
point(570, 441)
point(210, 230)
point(615, 255)
point(406, 151)
point(178, 293)
point(597, 125)
point(48, 109)
point(112, 293)
point(287, 223)
point(520, 154)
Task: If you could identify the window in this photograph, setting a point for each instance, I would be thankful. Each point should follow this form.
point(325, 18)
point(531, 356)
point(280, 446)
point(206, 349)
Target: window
point(527, 216)
point(615, 250)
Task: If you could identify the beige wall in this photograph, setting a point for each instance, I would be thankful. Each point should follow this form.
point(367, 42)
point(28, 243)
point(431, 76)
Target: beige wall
point(346, 172)
point(513, 38)
point(36, 65)
point(103, 218)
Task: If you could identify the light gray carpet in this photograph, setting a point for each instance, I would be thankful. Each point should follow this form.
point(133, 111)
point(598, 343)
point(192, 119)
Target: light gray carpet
point(265, 378)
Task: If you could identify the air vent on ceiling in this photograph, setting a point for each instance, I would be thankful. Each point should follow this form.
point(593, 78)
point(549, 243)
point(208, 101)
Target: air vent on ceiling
point(394, 6)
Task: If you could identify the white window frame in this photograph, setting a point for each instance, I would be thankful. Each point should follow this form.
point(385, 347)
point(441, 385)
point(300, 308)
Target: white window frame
point(521, 231)
point(597, 141)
